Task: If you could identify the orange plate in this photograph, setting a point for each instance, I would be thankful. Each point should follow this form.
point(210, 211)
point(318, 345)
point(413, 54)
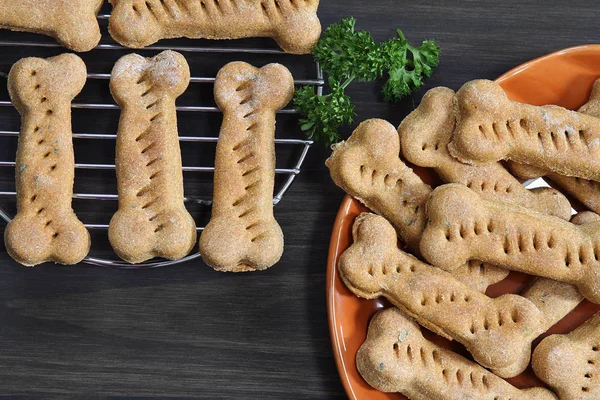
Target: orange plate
point(564, 78)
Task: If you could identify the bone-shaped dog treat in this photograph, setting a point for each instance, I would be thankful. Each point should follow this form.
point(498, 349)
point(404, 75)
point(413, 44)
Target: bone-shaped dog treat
point(71, 22)
point(592, 107)
point(152, 220)
point(397, 358)
point(45, 227)
point(425, 135)
point(585, 217)
point(463, 226)
point(556, 299)
point(570, 363)
point(367, 166)
point(243, 234)
point(497, 332)
point(292, 23)
point(584, 190)
point(490, 127)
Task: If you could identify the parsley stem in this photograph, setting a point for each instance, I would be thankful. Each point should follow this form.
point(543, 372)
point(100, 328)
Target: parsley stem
point(347, 82)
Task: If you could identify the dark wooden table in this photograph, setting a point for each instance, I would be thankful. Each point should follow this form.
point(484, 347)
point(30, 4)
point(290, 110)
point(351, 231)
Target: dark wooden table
point(188, 332)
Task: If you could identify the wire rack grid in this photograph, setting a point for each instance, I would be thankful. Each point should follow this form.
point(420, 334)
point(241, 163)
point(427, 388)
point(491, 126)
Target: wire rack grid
point(289, 173)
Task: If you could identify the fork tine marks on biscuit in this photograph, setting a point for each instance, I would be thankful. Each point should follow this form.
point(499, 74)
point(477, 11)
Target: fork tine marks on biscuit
point(553, 298)
point(497, 332)
point(584, 190)
point(152, 220)
point(570, 364)
point(45, 227)
point(292, 23)
point(396, 357)
point(490, 127)
point(71, 22)
point(463, 226)
point(243, 234)
point(425, 135)
point(367, 166)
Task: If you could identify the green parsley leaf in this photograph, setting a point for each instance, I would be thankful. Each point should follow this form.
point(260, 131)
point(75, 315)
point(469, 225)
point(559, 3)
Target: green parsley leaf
point(323, 115)
point(407, 65)
point(346, 54)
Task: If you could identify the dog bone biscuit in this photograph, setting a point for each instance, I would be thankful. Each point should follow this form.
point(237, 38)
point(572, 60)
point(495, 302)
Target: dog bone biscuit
point(569, 363)
point(292, 23)
point(490, 127)
point(425, 135)
point(243, 234)
point(463, 226)
point(45, 227)
point(396, 357)
point(592, 107)
point(584, 190)
point(556, 299)
point(585, 217)
point(152, 220)
point(71, 22)
point(367, 167)
point(497, 332)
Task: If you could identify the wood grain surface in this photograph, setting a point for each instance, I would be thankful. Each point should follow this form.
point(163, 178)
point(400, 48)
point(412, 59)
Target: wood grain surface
point(187, 331)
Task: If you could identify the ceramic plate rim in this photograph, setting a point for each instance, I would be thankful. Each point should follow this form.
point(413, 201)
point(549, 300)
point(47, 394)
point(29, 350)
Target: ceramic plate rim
point(347, 202)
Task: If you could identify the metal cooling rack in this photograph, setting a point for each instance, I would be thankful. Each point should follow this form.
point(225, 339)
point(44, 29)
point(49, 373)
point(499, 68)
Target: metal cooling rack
point(291, 173)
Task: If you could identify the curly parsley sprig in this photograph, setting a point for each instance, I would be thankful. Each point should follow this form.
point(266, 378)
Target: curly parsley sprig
point(346, 55)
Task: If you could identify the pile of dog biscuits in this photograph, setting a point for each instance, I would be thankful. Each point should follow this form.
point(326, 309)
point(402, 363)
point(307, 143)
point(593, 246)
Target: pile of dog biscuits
point(469, 233)
point(152, 220)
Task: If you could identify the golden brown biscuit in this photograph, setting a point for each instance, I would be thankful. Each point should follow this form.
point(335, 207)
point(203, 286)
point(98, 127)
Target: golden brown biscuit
point(497, 332)
point(152, 220)
point(71, 22)
point(554, 299)
point(490, 127)
point(292, 23)
point(45, 227)
point(584, 190)
point(557, 299)
point(592, 107)
point(425, 135)
point(462, 226)
point(397, 358)
point(367, 167)
point(569, 363)
point(242, 234)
